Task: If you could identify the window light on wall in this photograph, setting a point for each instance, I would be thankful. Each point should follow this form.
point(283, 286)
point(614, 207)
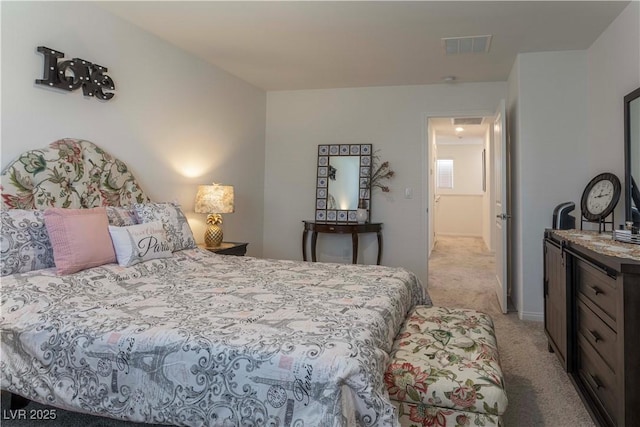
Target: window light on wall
point(444, 177)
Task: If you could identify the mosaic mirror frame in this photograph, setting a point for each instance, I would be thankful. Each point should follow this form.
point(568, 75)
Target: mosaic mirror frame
point(325, 153)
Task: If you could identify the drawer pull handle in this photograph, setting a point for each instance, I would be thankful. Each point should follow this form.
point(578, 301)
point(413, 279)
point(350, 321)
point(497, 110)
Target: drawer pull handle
point(332, 229)
point(596, 382)
point(595, 336)
point(596, 290)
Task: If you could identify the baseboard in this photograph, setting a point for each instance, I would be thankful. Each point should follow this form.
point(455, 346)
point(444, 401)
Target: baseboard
point(529, 315)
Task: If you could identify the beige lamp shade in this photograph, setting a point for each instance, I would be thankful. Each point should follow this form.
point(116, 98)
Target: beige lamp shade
point(214, 198)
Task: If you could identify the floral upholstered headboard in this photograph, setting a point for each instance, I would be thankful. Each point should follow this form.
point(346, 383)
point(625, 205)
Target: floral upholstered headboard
point(69, 173)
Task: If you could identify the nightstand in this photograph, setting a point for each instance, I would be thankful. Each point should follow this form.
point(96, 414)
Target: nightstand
point(228, 248)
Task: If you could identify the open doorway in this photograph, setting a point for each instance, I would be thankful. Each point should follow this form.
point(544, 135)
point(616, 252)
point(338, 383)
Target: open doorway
point(462, 206)
point(461, 178)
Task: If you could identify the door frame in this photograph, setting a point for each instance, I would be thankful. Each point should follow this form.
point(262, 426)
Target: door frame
point(503, 219)
point(427, 177)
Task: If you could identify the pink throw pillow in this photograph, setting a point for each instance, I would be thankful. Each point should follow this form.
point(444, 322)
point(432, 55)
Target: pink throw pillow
point(79, 237)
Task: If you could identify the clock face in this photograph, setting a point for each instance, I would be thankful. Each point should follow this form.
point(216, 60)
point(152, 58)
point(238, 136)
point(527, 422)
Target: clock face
point(600, 197)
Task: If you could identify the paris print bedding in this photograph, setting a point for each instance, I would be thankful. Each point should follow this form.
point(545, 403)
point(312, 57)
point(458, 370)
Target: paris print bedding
point(205, 339)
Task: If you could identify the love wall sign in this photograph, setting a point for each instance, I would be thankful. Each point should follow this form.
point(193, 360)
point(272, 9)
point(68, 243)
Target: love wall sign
point(75, 73)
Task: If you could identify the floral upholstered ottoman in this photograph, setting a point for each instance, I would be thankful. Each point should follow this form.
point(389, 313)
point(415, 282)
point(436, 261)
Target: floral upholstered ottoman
point(445, 369)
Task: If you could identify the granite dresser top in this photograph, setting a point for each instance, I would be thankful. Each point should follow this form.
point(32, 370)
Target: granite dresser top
point(602, 243)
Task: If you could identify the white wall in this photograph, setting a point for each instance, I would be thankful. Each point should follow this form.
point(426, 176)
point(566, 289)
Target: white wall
point(467, 168)
point(459, 209)
point(614, 71)
point(459, 215)
point(393, 119)
point(514, 254)
point(552, 103)
point(566, 126)
point(176, 120)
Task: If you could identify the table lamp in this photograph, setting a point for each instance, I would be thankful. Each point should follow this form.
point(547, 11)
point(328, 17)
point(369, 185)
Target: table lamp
point(214, 200)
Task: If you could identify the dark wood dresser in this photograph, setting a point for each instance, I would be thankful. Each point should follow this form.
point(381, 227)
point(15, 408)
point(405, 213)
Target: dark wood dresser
point(592, 319)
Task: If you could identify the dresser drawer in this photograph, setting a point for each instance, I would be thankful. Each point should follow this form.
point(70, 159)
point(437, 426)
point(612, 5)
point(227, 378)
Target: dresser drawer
point(601, 337)
point(598, 379)
point(597, 287)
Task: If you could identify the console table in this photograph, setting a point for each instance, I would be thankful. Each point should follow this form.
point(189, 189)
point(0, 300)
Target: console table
point(340, 228)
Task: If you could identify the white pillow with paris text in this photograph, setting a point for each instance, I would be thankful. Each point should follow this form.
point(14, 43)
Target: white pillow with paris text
point(141, 242)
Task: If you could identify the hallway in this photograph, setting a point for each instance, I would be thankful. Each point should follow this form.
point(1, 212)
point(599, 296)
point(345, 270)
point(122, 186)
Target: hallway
point(462, 274)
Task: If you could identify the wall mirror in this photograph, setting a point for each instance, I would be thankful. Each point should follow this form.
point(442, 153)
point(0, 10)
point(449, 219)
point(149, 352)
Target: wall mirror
point(632, 156)
point(343, 174)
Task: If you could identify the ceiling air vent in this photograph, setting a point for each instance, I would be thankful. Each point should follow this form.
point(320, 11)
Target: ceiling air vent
point(464, 121)
point(472, 44)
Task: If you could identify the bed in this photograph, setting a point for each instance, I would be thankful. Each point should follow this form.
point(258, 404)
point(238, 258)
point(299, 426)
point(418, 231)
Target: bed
point(192, 337)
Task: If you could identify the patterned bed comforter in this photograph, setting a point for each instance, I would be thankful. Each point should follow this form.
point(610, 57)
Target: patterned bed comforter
point(204, 339)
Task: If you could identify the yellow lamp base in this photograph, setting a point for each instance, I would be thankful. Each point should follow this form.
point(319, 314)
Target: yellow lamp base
point(213, 236)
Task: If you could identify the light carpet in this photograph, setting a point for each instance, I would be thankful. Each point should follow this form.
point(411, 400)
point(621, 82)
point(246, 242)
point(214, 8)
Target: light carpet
point(462, 274)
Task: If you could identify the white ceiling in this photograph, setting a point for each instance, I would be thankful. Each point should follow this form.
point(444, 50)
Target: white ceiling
point(290, 45)
point(334, 44)
point(446, 132)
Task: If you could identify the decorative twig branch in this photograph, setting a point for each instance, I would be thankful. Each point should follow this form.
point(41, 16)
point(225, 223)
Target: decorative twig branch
point(381, 173)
